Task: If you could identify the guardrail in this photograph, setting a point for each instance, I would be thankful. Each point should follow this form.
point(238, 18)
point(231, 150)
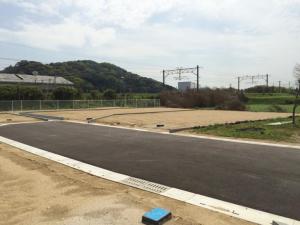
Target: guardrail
point(39, 105)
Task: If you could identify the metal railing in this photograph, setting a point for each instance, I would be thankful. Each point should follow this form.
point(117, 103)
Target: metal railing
point(39, 105)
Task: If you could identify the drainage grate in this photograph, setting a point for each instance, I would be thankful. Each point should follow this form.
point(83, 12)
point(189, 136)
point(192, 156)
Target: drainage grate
point(145, 185)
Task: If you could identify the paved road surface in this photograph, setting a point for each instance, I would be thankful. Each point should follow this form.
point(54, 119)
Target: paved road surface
point(261, 177)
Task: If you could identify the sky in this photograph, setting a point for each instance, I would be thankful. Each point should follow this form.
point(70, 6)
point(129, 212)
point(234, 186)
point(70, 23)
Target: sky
point(227, 38)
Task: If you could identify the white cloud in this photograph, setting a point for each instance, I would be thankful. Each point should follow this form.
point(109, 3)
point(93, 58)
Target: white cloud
point(57, 36)
point(225, 36)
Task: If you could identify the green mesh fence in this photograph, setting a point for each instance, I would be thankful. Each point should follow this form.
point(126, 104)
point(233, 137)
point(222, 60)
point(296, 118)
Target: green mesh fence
point(35, 105)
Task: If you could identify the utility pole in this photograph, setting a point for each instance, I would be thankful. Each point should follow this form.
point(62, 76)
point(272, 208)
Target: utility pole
point(164, 78)
point(197, 77)
point(239, 83)
point(279, 86)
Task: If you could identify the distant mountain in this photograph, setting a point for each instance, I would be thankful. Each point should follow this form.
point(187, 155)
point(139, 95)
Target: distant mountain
point(89, 75)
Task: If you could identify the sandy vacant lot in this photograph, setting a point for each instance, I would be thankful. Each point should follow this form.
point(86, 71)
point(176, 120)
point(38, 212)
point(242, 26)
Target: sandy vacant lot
point(38, 191)
point(82, 115)
point(12, 118)
point(177, 119)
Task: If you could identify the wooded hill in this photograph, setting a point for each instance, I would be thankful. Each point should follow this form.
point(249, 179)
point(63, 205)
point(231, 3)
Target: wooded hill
point(89, 75)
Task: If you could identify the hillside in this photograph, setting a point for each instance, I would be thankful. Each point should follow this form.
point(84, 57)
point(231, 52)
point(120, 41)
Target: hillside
point(89, 75)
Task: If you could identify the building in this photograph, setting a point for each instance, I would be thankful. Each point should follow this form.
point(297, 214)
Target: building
point(47, 82)
point(186, 85)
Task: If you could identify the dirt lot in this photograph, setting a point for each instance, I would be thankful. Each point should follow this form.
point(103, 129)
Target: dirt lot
point(180, 118)
point(82, 115)
point(38, 191)
point(12, 118)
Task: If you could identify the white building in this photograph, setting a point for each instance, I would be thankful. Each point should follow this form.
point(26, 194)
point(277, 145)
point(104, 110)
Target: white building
point(186, 85)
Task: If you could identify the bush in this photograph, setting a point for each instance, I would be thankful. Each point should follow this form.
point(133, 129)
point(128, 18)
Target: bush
point(219, 98)
point(109, 94)
point(31, 93)
point(242, 97)
point(65, 93)
point(15, 92)
point(270, 89)
point(95, 94)
point(234, 104)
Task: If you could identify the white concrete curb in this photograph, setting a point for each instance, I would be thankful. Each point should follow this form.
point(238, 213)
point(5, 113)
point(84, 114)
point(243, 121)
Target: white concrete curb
point(230, 209)
point(25, 122)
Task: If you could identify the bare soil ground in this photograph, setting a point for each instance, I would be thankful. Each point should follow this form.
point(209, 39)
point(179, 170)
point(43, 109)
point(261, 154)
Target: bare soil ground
point(12, 118)
point(177, 119)
point(35, 191)
point(82, 115)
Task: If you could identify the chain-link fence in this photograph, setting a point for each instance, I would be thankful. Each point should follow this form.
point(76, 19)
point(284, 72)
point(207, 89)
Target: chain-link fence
point(31, 105)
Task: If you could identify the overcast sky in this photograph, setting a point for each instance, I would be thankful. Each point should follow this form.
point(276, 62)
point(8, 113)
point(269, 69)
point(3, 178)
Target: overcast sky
point(226, 37)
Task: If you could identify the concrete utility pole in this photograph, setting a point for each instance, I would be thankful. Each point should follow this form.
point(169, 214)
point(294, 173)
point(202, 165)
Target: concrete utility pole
point(279, 86)
point(197, 77)
point(180, 71)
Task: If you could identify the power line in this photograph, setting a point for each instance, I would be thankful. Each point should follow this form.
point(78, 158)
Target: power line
point(252, 78)
point(179, 71)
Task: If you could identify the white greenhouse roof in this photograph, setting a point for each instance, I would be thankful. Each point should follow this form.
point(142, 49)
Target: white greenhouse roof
point(33, 79)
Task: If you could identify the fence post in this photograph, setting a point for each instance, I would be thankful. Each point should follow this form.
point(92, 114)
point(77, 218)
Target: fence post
point(57, 105)
point(73, 103)
point(12, 106)
point(40, 104)
point(21, 105)
point(136, 103)
point(88, 103)
point(101, 103)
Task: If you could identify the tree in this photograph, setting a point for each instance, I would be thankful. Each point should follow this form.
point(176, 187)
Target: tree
point(65, 93)
point(88, 75)
point(95, 94)
point(15, 92)
point(109, 94)
point(297, 77)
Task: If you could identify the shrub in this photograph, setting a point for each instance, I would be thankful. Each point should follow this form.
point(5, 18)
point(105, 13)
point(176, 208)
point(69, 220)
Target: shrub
point(219, 98)
point(109, 94)
point(95, 94)
point(65, 93)
point(233, 104)
point(15, 92)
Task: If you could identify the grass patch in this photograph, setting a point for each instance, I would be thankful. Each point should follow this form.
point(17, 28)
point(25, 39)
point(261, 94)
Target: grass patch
point(271, 108)
point(271, 99)
point(271, 102)
point(256, 130)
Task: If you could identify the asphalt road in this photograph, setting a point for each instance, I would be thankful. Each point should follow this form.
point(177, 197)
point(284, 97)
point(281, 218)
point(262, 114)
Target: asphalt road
point(261, 177)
